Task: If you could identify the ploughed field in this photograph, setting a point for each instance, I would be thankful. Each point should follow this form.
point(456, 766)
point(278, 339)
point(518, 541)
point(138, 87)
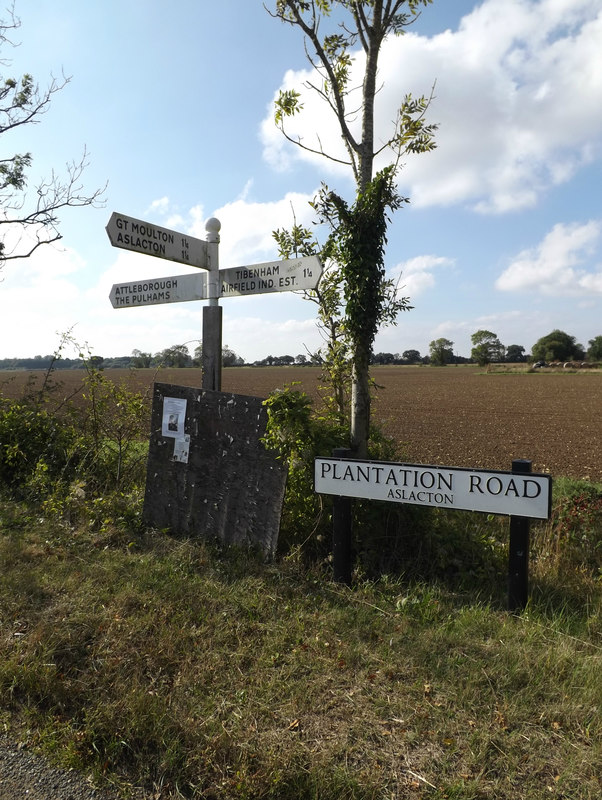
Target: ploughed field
point(452, 416)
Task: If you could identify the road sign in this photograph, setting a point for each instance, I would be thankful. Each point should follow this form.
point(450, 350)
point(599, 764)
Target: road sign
point(271, 276)
point(494, 492)
point(175, 289)
point(152, 240)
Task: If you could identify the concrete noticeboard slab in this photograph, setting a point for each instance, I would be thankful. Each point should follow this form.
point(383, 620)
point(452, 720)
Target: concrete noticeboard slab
point(227, 486)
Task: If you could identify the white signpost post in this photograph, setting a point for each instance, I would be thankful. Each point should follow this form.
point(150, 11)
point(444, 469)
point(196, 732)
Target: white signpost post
point(148, 239)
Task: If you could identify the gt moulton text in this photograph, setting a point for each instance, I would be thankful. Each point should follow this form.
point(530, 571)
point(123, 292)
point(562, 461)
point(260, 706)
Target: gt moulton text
point(141, 236)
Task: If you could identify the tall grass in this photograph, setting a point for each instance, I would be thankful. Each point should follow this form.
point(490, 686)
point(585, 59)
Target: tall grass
point(168, 664)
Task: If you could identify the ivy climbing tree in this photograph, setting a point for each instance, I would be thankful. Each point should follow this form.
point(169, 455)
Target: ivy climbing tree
point(356, 298)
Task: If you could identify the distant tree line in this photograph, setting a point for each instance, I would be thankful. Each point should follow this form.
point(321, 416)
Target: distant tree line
point(51, 361)
point(559, 346)
point(556, 346)
point(414, 357)
point(487, 349)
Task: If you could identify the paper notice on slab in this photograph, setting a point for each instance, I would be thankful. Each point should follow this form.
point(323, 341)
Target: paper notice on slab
point(174, 415)
point(181, 448)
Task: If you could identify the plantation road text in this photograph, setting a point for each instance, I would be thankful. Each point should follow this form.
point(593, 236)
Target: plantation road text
point(510, 493)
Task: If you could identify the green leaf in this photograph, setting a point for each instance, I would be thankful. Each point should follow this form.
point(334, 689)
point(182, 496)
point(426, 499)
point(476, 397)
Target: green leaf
point(287, 105)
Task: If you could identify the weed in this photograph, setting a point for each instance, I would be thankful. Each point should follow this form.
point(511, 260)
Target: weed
point(81, 463)
point(572, 539)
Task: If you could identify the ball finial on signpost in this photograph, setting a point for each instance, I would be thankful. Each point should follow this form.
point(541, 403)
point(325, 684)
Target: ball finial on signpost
point(213, 227)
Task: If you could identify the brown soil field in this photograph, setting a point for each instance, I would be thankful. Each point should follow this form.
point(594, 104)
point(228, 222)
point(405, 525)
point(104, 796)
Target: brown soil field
point(452, 416)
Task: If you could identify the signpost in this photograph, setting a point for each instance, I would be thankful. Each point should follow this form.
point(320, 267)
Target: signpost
point(273, 276)
point(149, 239)
point(152, 240)
point(218, 430)
point(520, 494)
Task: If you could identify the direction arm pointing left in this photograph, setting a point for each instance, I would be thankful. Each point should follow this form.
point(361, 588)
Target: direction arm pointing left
point(149, 239)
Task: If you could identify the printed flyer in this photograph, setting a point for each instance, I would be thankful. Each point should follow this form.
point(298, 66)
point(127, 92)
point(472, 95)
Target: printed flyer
point(174, 415)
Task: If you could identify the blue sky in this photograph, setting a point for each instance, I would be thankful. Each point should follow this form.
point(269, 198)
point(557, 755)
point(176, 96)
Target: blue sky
point(174, 104)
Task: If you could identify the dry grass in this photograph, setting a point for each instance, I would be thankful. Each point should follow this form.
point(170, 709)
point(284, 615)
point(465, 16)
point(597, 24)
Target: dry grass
point(159, 664)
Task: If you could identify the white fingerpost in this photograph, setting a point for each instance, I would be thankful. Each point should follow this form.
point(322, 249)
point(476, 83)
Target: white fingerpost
point(213, 227)
point(212, 314)
point(149, 239)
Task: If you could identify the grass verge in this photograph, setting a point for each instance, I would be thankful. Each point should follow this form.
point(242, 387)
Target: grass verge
point(161, 663)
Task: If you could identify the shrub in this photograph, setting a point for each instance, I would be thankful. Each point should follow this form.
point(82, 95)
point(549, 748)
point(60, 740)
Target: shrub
point(298, 436)
point(35, 446)
point(572, 539)
point(82, 463)
point(380, 530)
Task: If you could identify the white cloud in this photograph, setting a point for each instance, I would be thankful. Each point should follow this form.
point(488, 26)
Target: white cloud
point(40, 300)
point(561, 264)
point(49, 259)
point(279, 153)
point(160, 206)
point(417, 274)
point(518, 98)
point(490, 321)
point(247, 226)
point(452, 329)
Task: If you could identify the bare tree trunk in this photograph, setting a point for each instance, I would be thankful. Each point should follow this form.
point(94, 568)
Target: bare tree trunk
point(360, 378)
point(366, 147)
point(360, 403)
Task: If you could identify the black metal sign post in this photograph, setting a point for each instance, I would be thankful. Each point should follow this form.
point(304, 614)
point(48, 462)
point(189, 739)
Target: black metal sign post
point(518, 554)
point(342, 560)
point(519, 494)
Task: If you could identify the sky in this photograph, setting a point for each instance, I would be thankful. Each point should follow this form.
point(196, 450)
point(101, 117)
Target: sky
point(174, 106)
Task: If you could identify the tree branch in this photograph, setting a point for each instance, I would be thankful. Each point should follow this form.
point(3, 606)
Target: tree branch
point(321, 152)
point(52, 196)
point(22, 103)
point(312, 34)
point(27, 101)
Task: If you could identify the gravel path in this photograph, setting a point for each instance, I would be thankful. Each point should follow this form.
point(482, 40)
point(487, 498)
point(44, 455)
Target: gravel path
point(26, 775)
